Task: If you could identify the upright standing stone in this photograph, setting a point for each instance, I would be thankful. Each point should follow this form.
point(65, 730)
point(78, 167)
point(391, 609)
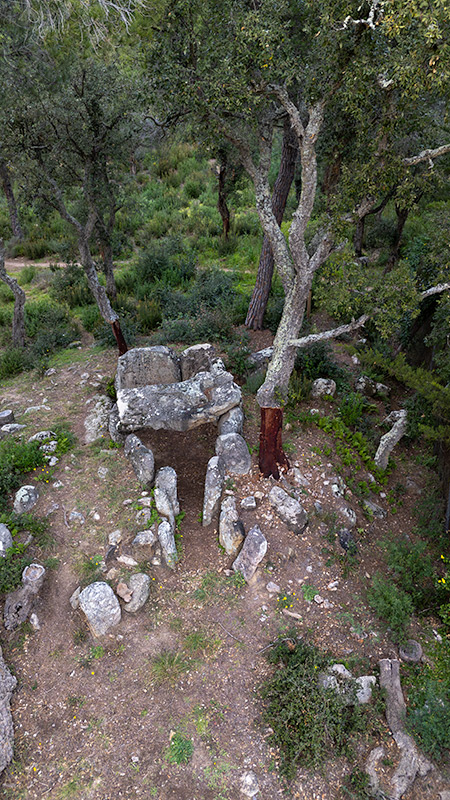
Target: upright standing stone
point(141, 459)
point(166, 479)
point(197, 358)
point(253, 551)
point(6, 539)
point(234, 452)
point(214, 479)
point(96, 422)
point(231, 534)
point(167, 541)
point(143, 366)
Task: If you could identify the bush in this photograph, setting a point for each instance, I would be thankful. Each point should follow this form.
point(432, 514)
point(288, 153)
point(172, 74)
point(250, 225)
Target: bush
point(317, 361)
point(15, 360)
point(26, 275)
point(413, 571)
point(70, 286)
point(149, 315)
point(351, 408)
point(90, 318)
point(168, 260)
point(428, 717)
point(104, 334)
point(308, 722)
point(16, 459)
point(12, 566)
point(392, 605)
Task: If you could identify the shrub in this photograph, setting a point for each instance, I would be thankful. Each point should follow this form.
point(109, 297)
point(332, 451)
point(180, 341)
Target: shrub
point(413, 570)
point(16, 459)
point(392, 605)
point(45, 316)
point(12, 566)
point(180, 749)
point(428, 717)
point(149, 315)
point(317, 361)
point(307, 721)
point(168, 260)
point(15, 360)
point(70, 286)
point(26, 275)
point(351, 408)
point(104, 334)
point(90, 318)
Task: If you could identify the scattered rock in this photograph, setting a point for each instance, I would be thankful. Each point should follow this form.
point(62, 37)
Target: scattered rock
point(322, 387)
point(412, 486)
point(249, 784)
point(197, 358)
point(101, 607)
point(18, 604)
point(248, 503)
point(231, 422)
point(74, 598)
point(166, 479)
point(339, 678)
point(10, 428)
point(42, 436)
point(332, 586)
point(411, 651)
point(124, 592)
point(33, 577)
point(252, 553)
point(234, 452)
point(34, 622)
point(102, 473)
point(366, 386)
point(143, 516)
point(346, 539)
point(115, 537)
point(127, 561)
point(141, 459)
point(167, 542)
point(348, 513)
point(373, 509)
point(273, 588)
point(77, 517)
point(288, 509)
point(7, 685)
point(143, 366)
point(231, 532)
point(318, 599)
point(6, 539)
point(6, 417)
point(140, 588)
point(25, 499)
point(364, 690)
point(390, 439)
point(96, 422)
point(215, 473)
point(297, 477)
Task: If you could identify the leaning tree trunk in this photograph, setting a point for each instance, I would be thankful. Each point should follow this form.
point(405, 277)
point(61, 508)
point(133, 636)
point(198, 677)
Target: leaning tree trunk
point(222, 207)
point(18, 325)
point(99, 292)
point(402, 216)
point(108, 268)
point(11, 200)
point(260, 296)
point(272, 394)
point(358, 238)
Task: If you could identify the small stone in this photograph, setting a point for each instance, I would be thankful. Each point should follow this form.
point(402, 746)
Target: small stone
point(346, 539)
point(34, 622)
point(248, 503)
point(74, 598)
point(102, 472)
point(96, 516)
point(77, 517)
point(364, 690)
point(411, 651)
point(318, 599)
point(332, 587)
point(115, 537)
point(290, 511)
point(249, 784)
point(57, 485)
point(52, 509)
point(127, 561)
point(234, 452)
point(49, 372)
point(273, 588)
point(6, 539)
point(53, 461)
point(140, 588)
point(25, 499)
point(297, 477)
point(42, 436)
point(309, 568)
point(147, 537)
point(6, 417)
point(127, 502)
point(124, 592)
point(373, 509)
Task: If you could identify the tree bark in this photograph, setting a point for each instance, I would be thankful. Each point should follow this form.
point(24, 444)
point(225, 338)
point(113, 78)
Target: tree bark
point(271, 454)
point(359, 236)
point(11, 200)
point(402, 216)
point(18, 325)
point(260, 296)
point(222, 207)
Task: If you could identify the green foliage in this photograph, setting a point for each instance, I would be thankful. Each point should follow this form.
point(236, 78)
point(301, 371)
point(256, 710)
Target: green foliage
point(89, 569)
point(356, 786)
point(351, 408)
point(26, 275)
point(237, 356)
point(149, 315)
point(12, 566)
point(90, 318)
point(428, 711)
point(168, 261)
point(392, 605)
point(412, 567)
point(104, 333)
point(168, 667)
point(317, 361)
point(307, 720)
point(17, 458)
point(15, 360)
point(180, 750)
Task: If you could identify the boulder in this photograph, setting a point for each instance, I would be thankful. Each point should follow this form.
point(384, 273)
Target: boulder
point(7, 685)
point(141, 459)
point(231, 533)
point(390, 439)
point(42, 436)
point(140, 587)
point(179, 406)
point(113, 426)
point(197, 358)
point(322, 387)
point(167, 541)
point(96, 422)
point(366, 386)
point(146, 538)
point(290, 511)
point(6, 539)
point(215, 474)
point(166, 479)
point(252, 553)
point(25, 499)
point(234, 452)
point(144, 366)
point(10, 428)
point(101, 607)
point(373, 509)
point(231, 422)
point(260, 359)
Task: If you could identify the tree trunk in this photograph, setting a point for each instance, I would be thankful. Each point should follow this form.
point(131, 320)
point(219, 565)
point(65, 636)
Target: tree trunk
point(402, 216)
point(18, 325)
point(108, 268)
point(99, 292)
point(271, 454)
point(11, 200)
point(260, 296)
point(359, 237)
point(222, 207)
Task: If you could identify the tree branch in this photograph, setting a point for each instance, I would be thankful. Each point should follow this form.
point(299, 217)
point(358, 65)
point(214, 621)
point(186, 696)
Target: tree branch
point(427, 155)
point(331, 334)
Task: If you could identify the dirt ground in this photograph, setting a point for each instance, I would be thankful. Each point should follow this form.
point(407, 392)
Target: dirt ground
point(93, 720)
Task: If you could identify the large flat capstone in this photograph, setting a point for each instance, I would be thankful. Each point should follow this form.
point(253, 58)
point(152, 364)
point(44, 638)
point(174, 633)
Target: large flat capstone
point(179, 406)
point(143, 366)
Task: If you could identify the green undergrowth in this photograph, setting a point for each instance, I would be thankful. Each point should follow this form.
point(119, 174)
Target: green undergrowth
point(308, 722)
point(428, 708)
point(18, 556)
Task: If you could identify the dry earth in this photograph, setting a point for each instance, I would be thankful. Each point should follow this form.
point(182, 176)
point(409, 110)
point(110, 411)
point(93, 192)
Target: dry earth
point(94, 720)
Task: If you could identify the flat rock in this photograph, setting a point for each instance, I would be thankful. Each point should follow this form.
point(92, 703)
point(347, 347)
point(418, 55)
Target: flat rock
point(231, 422)
point(322, 387)
point(7, 685)
point(290, 511)
point(143, 366)
point(25, 499)
point(248, 503)
point(10, 428)
point(141, 459)
point(249, 784)
point(297, 477)
point(6, 417)
point(96, 422)
point(233, 450)
point(179, 406)
point(215, 475)
point(197, 358)
point(6, 539)
point(149, 537)
point(140, 587)
point(42, 436)
point(101, 607)
point(373, 509)
point(252, 553)
point(231, 533)
point(411, 651)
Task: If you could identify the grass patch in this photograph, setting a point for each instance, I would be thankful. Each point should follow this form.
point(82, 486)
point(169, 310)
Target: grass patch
point(180, 750)
point(168, 667)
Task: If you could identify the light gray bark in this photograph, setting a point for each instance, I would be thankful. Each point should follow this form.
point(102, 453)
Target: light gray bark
point(18, 326)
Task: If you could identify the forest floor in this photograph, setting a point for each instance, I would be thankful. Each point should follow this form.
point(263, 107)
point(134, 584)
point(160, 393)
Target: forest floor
point(94, 720)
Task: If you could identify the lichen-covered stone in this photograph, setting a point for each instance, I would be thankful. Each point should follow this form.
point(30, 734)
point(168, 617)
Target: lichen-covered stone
point(197, 358)
point(290, 511)
point(390, 439)
point(6, 539)
point(215, 474)
point(25, 499)
point(101, 607)
point(231, 422)
point(252, 553)
point(143, 366)
point(167, 541)
point(140, 587)
point(141, 459)
point(166, 479)
point(322, 387)
point(231, 534)
point(96, 422)
point(7, 685)
point(233, 450)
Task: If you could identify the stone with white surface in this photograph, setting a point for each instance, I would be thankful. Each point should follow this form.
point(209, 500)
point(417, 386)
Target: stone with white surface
point(101, 607)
